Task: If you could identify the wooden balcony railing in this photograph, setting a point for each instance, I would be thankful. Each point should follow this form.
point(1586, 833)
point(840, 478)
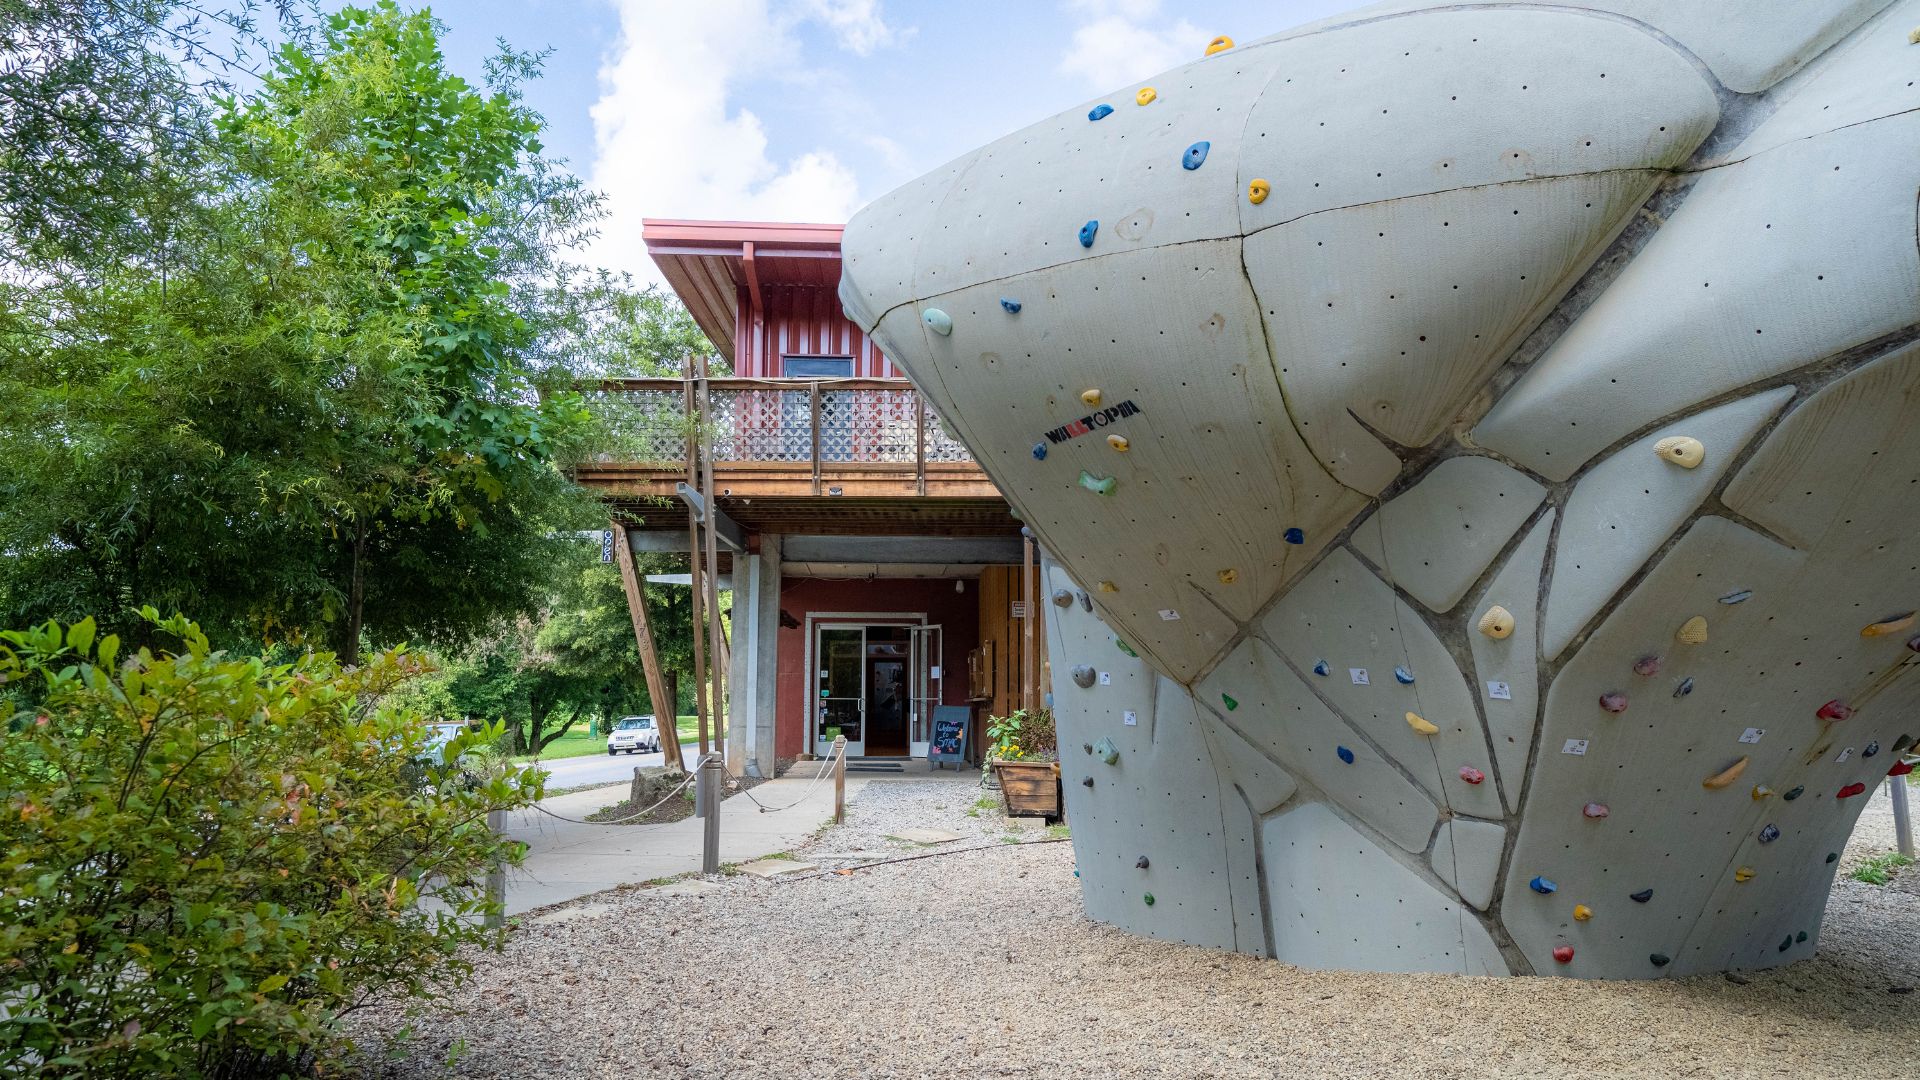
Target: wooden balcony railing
point(830, 425)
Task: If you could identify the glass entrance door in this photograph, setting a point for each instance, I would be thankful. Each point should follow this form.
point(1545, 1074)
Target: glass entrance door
point(927, 641)
point(842, 689)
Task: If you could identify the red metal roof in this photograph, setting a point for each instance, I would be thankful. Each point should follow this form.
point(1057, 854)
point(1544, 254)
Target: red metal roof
point(710, 263)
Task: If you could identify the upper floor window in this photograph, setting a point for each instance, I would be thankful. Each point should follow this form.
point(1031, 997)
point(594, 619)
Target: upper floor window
point(817, 367)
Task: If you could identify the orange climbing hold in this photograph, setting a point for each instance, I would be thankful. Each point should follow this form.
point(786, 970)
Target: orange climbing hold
point(1219, 45)
point(1888, 626)
point(1581, 912)
point(1725, 776)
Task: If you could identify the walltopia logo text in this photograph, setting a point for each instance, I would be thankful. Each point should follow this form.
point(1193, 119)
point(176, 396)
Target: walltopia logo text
point(1077, 428)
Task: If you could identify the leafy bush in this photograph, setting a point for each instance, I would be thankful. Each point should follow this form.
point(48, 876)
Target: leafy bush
point(205, 859)
point(1023, 736)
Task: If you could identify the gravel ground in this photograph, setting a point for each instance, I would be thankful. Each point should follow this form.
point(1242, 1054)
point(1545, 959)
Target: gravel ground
point(980, 963)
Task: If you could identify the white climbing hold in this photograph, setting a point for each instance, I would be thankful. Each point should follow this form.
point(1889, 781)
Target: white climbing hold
point(1497, 623)
point(1682, 451)
point(1119, 443)
point(937, 321)
point(1090, 398)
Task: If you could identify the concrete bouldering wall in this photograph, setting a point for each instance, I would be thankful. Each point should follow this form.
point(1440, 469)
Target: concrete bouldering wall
point(1476, 449)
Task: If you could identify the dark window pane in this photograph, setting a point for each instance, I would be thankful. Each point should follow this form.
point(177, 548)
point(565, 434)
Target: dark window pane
point(817, 367)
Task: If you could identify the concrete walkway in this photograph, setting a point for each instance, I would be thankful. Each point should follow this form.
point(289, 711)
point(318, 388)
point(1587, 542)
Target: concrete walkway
point(567, 860)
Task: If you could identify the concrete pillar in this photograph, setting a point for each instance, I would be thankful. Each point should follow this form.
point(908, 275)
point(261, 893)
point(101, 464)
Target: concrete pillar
point(752, 674)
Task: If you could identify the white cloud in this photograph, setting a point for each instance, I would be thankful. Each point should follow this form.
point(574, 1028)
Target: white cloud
point(670, 140)
point(1123, 41)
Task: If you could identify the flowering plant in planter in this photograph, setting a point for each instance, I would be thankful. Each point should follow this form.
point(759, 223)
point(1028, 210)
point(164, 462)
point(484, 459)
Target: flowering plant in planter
point(1024, 754)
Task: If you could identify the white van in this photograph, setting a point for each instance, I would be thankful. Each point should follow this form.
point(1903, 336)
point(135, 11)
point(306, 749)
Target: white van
point(635, 735)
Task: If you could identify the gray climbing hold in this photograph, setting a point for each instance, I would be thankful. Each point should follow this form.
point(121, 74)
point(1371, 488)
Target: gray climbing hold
point(1012, 306)
point(1140, 863)
point(1872, 749)
point(1641, 897)
point(1794, 794)
point(1769, 834)
point(1062, 598)
point(1660, 959)
point(1039, 451)
point(1086, 781)
point(1320, 668)
point(1087, 233)
point(1106, 751)
point(937, 321)
point(1541, 885)
point(1403, 676)
point(1740, 597)
point(1685, 687)
point(1100, 111)
point(1087, 746)
point(1086, 602)
point(1195, 156)
point(1344, 754)
point(1083, 676)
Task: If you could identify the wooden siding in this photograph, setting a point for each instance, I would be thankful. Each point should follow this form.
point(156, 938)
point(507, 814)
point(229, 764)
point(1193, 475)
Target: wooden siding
point(999, 588)
point(801, 321)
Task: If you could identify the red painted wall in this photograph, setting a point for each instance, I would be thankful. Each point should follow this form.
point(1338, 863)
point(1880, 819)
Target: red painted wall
point(957, 612)
point(801, 321)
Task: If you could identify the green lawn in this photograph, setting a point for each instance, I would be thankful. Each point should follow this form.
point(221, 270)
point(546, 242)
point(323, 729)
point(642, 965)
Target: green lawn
point(577, 743)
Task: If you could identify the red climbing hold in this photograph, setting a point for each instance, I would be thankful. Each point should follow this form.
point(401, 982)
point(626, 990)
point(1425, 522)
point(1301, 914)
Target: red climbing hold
point(1471, 775)
point(1594, 810)
point(1901, 769)
point(1563, 953)
point(1834, 710)
point(1615, 702)
point(1851, 790)
point(1647, 666)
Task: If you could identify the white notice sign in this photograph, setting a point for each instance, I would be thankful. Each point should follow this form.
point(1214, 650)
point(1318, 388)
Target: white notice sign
point(1169, 615)
point(1845, 755)
point(1106, 678)
point(1752, 734)
point(1574, 746)
point(1129, 718)
point(1499, 691)
point(1359, 676)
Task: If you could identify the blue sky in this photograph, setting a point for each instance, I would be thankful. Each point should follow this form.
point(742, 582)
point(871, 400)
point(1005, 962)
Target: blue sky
point(805, 110)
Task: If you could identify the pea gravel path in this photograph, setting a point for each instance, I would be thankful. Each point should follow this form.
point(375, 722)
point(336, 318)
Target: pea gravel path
point(980, 964)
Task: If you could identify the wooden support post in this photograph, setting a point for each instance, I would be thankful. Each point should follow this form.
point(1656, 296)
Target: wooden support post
point(813, 412)
point(840, 780)
point(1028, 677)
point(716, 644)
point(664, 706)
point(919, 444)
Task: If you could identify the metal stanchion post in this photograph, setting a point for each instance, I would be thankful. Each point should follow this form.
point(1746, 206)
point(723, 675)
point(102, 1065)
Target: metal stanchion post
point(1902, 824)
point(707, 796)
point(497, 877)
point(840, 780)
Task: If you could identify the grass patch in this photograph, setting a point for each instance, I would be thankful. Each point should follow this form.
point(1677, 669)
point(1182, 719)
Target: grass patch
point(1879, 869)
point(983, 803)
point(1058, 832)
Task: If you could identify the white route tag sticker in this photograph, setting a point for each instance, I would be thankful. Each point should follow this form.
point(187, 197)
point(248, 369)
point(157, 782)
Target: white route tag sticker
point(1359, 676)
point(1106, 678)
point(1499, 691)
point(1130, 718)
point(1169, 615)
point(1752, 734)
point(1574, 746)
point(1845, 755)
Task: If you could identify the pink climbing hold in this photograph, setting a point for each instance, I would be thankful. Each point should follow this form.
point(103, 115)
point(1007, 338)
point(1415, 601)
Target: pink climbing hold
point(1913, 643)
point(1647, 666)
point(1614, 702)
point(1594, 810)
point(1563, 953)
point(1851, 790)
point(1901, 769)
point(1834, 710)
point(1471, 775)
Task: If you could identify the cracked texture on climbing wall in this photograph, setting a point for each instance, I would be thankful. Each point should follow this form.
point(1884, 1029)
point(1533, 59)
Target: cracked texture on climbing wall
point(1436, 538)
point(1510, 662)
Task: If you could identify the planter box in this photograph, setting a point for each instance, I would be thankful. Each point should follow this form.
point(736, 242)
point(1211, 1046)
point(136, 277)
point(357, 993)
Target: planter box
point(1031, 788)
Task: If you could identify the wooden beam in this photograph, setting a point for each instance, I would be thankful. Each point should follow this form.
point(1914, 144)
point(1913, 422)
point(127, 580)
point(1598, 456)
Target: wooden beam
point(716, 638)
point(693, 559)
point(657, 692)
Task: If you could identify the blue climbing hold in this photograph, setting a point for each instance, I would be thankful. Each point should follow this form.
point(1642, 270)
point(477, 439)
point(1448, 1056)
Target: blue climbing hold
point(1087, 232)
point(1195, 156)
point(1685, 687)
point(1403, 676)
point(1012, 306)
point(1872, 749)
point(1039, 451)
point(1769, 834)
point(1099, 111)
point(1659, 959)
point(1346, 755)
point(1294, 536)
point(1641, 897)
point(1541, 885)
point(1801, 936)
point(1320, 668)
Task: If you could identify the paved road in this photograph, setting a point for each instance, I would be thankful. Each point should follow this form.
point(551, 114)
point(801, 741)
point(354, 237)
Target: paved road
point(576, 772)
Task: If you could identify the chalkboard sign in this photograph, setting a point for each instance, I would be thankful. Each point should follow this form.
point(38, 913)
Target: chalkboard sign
point(950, 723)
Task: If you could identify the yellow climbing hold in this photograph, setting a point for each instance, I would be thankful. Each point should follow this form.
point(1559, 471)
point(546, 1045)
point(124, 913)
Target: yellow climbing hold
point(1725, 776)
point(1745, 873)
point(1497, 623)
point(1913, 36)
point(1888, 626)
point(1682, 451)
point(1090, 398)
point(1145, 96)
point(1219, 45)
point(1421, 724)
point(1761, 791)
point(1228, 577)
point(1257, 191)
point(1693, 631)
point(1581, 912)
point(1108, 586)
point(1118, 442)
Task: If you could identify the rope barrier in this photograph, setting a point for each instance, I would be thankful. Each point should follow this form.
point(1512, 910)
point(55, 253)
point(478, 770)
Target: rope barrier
point(682, 786)
point(839, 751)
point(924, 855)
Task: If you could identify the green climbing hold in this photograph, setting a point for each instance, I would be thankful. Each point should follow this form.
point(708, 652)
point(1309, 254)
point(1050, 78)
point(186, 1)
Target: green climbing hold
point(1149, 899)
point(1099, 485)
point(1229, 702)
point(1125, 648)
point(1833, 856)
point(1107, 752)
point(1801, 936)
